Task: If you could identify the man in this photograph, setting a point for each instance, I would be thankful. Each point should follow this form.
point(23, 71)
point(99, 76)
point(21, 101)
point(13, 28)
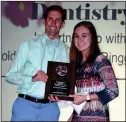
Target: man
point(29, 69)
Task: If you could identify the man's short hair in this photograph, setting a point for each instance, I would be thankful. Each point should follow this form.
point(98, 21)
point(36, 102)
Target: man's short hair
point(55, 8)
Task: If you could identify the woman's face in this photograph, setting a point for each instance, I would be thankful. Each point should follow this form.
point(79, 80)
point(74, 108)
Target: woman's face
point(82, 39)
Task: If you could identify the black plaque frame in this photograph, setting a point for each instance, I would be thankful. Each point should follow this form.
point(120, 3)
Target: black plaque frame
point(61, 81)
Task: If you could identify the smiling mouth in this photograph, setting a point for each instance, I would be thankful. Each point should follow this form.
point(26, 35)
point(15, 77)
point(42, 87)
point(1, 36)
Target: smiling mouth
point(80, 45)
point(52, 28)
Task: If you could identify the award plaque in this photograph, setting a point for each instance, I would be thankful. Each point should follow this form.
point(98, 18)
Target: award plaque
point(61, 80)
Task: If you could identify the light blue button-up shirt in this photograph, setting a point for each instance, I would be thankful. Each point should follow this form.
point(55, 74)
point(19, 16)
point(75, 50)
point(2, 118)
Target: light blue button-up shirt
point(32, 56)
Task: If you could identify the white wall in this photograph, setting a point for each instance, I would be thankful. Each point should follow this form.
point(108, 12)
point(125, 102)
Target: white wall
point(13, 35)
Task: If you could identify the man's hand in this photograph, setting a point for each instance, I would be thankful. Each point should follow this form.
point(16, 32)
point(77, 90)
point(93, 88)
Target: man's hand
point(53, 98)
point(40, 76)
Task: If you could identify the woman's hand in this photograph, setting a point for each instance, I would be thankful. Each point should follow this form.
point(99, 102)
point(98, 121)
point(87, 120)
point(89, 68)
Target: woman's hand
point(78, 99)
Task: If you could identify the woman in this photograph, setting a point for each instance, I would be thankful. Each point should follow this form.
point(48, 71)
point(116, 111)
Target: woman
point(94, 77)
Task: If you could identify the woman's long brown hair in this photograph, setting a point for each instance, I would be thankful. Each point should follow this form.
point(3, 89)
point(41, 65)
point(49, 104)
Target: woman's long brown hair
point(94, 50)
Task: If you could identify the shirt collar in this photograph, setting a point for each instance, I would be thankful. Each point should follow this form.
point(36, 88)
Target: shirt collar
point(55, 42)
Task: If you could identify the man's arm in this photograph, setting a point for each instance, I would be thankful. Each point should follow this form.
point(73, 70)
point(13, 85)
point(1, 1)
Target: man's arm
point(15, 74)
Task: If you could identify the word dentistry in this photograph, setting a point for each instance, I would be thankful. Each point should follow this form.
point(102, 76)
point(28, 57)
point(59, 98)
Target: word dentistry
point(83, 12)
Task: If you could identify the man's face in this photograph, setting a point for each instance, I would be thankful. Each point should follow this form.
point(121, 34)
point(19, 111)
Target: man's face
point(53, 24)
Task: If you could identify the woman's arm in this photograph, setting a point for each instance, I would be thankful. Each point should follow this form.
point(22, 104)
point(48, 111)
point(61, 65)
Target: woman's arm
point(108, 77)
